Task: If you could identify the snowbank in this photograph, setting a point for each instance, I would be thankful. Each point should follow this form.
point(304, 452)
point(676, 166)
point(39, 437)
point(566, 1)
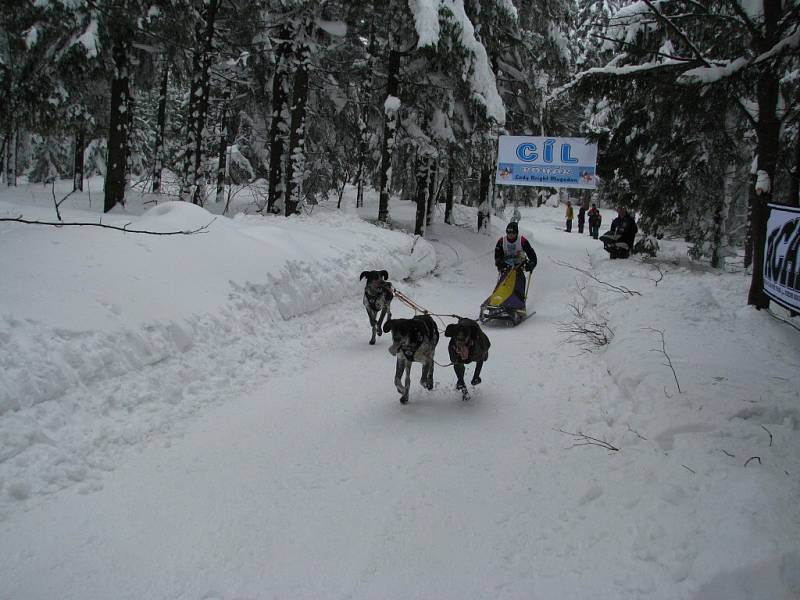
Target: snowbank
point(92, 305)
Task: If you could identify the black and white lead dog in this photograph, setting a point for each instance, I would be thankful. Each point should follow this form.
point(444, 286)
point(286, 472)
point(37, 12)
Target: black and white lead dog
point(378, 294)
point(467, 344)
point(413, 340)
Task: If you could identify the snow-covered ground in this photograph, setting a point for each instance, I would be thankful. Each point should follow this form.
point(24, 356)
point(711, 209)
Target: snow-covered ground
point(202, 417)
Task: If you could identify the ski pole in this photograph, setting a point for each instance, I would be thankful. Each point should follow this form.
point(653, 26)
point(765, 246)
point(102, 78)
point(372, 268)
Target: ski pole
point(530, 278)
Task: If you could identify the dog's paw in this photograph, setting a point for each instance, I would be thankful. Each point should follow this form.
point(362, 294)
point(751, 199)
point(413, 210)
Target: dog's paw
point(379, 332)
point(403, 399)
point(372, 342)
point(461, 385)
point(475, 380)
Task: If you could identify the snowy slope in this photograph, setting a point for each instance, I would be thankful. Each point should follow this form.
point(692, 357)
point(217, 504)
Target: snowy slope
point(202, 417)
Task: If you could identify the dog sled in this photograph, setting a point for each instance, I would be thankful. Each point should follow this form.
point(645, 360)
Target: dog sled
point(507, 302)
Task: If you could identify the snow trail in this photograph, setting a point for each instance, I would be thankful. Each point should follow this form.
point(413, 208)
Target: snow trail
point(290, 469)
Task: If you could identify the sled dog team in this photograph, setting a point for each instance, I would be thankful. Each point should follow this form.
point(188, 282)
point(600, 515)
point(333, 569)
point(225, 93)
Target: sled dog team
point(415, 339)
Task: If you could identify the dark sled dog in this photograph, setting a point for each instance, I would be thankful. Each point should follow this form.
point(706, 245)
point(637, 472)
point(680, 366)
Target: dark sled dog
point(467, 344)
point(413, 340)
point(378, 294)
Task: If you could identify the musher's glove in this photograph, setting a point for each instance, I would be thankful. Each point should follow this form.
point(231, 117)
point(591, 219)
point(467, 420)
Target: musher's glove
point(529, 266)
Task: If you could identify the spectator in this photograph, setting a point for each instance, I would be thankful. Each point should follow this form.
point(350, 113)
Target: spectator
point(570, 214)
point(483, 215)
point(595, 219)
point(618, 242)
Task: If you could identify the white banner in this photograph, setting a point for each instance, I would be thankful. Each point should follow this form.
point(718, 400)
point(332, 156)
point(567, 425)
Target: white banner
point(546, 162)
point(781, 269)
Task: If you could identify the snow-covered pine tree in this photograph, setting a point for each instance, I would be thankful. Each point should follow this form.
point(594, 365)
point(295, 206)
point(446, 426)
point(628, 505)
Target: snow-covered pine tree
point(682, 50)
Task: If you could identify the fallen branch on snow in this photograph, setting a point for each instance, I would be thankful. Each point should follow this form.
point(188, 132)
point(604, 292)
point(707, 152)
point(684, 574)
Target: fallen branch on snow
point(58, 203)
point(203, 229)
point(617, 288)
point(664, 352)
point(587, 440)
point(589, 328)
point(770, 435)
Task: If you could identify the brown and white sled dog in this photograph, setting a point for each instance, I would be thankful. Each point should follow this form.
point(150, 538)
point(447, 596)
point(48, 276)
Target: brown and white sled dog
point(413, 340)
point(378, 294)
point(467, 344)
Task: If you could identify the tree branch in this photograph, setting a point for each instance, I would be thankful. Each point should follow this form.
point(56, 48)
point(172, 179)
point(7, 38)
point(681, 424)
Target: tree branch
point(617, 288)
point(678, 31)
point(633, 46)
point(587, 440)
point(695, 50)
point(203, 229)
point(770, 435)
point(657, 268)
point(58, 203)
point(664, 352)
point(748, 23)
point(588, 331)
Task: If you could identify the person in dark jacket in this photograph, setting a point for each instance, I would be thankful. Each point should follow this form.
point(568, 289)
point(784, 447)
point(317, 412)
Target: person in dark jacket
point(581, 218)
point(595, 219)
point(513, 251)
point(618, 241)
point(483, 215)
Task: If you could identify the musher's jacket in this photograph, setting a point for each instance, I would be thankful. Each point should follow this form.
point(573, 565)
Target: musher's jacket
point(507, 249)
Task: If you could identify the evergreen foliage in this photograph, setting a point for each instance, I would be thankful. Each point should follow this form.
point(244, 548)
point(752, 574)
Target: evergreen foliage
point(301, 97)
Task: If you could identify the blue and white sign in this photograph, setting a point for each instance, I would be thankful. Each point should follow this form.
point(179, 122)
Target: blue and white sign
point(782, 256)
point(546, 162)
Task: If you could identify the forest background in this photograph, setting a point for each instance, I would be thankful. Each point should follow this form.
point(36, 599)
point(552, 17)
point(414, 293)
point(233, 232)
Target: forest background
point(694, 105)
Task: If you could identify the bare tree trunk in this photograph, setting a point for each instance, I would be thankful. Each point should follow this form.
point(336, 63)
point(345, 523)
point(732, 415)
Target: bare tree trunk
point(278, 126)
point(3, 157)
point(721, 211)
point(448, 207)
point(297, 158)
point(77, 171)
point(116, 178)
point(794, 183)
point(161, 125)
point(389, 127)
point(362, 151)
point(767, 131)
point(223, 147)
point(11, 156)
point(423, 172)
point(341, 189)
point(433, 170)
point(485, 184)
point(198, 176)
point(748, 236)
point(195, 91)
